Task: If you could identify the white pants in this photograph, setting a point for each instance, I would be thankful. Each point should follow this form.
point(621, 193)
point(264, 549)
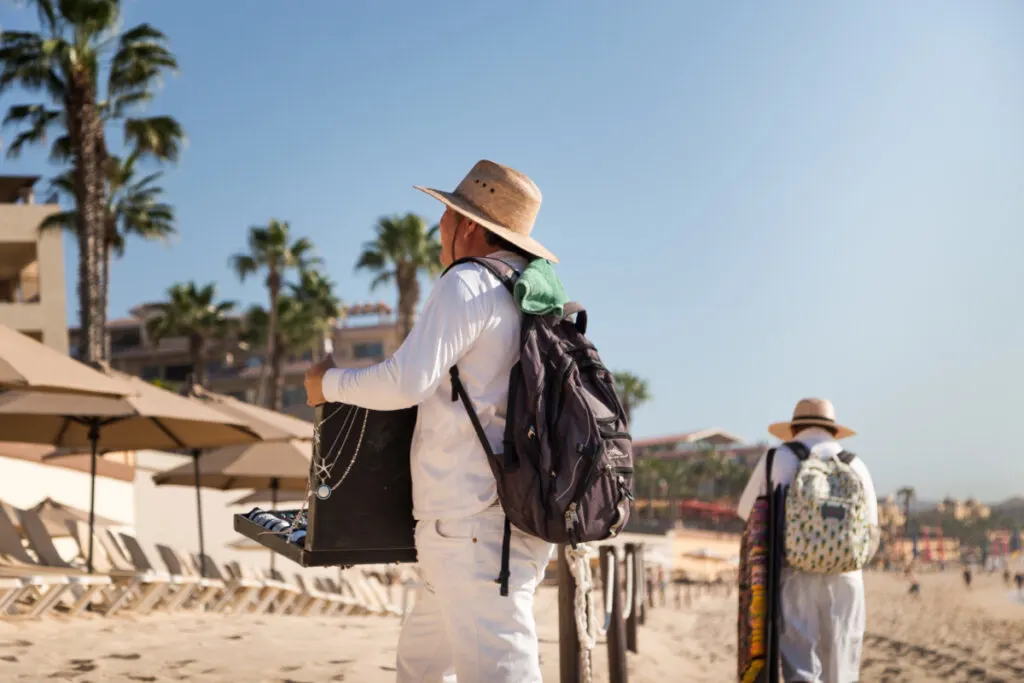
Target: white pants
point(461, 627)
point(821, 633)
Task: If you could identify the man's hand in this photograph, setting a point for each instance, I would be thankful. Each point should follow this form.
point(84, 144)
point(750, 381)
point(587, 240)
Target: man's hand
point(314, 381)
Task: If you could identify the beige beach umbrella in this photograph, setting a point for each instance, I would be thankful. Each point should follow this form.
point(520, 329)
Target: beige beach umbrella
point(149, 418)
point(28, 365)
point(273, 465)
point(269, 496)
point(270, 425)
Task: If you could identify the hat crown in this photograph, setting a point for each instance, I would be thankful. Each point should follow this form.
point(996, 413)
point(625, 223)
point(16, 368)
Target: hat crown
point(819, 408)
point(502, 194)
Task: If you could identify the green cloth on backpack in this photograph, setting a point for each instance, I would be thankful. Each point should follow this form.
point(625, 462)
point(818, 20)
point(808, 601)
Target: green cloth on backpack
point(538, 290)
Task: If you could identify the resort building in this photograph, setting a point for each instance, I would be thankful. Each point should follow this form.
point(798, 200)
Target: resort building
point(31, 265)
point(367, 334)
point(688, 444)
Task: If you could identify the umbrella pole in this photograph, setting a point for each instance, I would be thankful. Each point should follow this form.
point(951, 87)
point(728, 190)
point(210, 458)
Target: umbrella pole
point(94, 438)
point(274, 484)
point(199, 513)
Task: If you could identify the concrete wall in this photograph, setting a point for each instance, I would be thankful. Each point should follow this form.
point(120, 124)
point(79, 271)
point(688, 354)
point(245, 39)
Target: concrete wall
point(23, 484)
point(19, 224)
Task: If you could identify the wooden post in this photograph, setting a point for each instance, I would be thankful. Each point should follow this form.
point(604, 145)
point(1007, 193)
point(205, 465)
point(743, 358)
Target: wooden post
point(643, 584)
point(611, 580)
point(633, 595)
point(568, 638)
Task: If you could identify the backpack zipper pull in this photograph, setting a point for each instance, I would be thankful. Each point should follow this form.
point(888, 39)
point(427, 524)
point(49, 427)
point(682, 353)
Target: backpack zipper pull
point(571, 518)
point(625, 489)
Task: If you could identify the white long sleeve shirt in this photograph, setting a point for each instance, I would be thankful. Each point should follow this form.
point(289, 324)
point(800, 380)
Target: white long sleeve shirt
point(469, 319)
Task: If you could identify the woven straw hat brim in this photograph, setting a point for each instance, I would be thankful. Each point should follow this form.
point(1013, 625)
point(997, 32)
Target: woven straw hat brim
point(784, 430)
point(524, 242)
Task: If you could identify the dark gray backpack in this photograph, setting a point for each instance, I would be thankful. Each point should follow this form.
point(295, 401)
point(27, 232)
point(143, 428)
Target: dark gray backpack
point(565, 473)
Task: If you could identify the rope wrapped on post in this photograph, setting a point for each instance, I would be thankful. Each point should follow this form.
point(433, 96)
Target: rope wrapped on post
point(578, 559)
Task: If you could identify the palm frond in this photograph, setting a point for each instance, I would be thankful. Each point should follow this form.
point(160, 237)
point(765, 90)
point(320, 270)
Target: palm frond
point(32, 62)
point(91, 18)
point(382, 279)
point(62, 220)
point(158, 136)
point(39, 120)
point(61, 152)
point(47, 15)
point(243, 265)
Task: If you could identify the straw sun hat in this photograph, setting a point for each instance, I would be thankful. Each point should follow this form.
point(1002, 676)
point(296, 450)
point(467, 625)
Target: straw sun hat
point(810, 412)
point(500, 199)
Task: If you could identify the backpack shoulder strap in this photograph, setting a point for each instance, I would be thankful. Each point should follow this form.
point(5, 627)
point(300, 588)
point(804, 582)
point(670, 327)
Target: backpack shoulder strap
point(769, 461)
point(505, 273)
point(798, 449)
point(846, 457)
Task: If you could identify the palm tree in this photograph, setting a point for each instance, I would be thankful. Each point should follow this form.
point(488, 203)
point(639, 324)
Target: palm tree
point(633, 392)
point(272, 250)
point(403, 247)
point(90, 75)
point(316, 292)
point(192, 312)
point(300, 327)
point(908, 494)
point(133, 207)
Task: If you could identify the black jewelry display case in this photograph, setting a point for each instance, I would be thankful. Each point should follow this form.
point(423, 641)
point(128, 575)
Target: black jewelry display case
point(367, 518)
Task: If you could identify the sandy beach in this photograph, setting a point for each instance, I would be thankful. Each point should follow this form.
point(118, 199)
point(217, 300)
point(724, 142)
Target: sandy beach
point(949, 634)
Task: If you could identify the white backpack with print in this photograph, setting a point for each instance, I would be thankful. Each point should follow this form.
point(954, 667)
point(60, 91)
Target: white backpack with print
point(827, 528)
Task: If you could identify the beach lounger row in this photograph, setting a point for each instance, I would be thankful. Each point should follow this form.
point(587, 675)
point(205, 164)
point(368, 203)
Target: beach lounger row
point(125, 580)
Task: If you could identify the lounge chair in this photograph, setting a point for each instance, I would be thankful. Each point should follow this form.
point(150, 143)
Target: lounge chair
point(291, 596)
point(315, 602)
point(85, 587)
point(10, 589)
point(240, 593)
point(141, 590)
point(372, 591)
point(182, 586)
point(41, 587)
point(271, 589)
point(206, 588)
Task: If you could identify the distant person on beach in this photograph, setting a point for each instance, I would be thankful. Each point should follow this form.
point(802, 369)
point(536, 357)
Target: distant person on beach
point(967, 576)
point(823, 615)
point(461, 627)
point(915, 585)
point(1019, 579)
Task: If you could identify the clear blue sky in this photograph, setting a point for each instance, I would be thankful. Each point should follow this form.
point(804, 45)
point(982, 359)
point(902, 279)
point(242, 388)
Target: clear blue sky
point(756, 201)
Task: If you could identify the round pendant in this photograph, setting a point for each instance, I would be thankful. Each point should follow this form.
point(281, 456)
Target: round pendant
point(323, 492)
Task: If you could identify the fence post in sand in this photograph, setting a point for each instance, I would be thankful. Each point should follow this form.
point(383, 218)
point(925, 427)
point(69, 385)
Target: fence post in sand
point(568, 638)
point(612, 604)
point(643, 585)
point(634, 598)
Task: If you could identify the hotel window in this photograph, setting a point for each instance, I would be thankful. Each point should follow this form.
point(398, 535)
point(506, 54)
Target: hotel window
point(368, 350)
